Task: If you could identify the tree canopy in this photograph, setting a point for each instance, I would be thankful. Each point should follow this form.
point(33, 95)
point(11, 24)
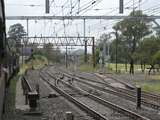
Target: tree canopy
point(133, 30)
point(15, 33)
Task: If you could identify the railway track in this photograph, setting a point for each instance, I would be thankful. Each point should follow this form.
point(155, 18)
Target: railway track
point(103, 76)
point(148, 94)
point(151, 103)
point(132, 91)
point(82, 106)
point(106, 103)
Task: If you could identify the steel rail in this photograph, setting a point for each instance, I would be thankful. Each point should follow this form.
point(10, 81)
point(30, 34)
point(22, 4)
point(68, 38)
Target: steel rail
point(29, 88)
point(145, 94)
point(106, 103)
point(127, 85)
point(119, 92)
point(84, 107)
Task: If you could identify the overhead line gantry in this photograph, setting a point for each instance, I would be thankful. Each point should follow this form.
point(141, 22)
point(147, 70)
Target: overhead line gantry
point(78, 17)
point(84, 18)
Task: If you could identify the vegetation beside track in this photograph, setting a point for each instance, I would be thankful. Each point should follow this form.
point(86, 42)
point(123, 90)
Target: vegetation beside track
point(151, 87)
point(111, 67)
point(10, 99)
point(12, 92)
point(122, 67)
point(87, 68)
point(150, 83)
point(37, 61)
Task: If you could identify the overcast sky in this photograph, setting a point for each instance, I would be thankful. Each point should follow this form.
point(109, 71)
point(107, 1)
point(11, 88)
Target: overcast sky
point(52, 27)
point(73, 28)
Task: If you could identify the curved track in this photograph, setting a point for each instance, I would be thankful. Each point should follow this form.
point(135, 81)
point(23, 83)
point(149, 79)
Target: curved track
point(127, 94)
point(108, 104)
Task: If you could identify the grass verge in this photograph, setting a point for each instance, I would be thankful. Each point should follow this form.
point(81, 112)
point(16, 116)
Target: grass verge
point(87, 68)
point(121, 67)
point(36, 62)
point(10, 99)
point(151, 87)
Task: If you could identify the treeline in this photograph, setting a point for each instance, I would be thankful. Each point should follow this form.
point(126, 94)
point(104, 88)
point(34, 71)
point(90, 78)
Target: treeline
point(53, 54)
point(136, 42)
point(17, 32)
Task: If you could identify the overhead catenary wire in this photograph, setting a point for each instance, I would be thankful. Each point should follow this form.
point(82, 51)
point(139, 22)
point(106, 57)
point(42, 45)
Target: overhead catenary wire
point(75, 10)
point(84, 9)
point(152, 9)
point(87, 3)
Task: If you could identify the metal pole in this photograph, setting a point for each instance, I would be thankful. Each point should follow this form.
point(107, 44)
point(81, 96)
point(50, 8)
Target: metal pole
point(108, 48)
point(104, 52)
point(116, 49)
point(22, 52)
point(27, 27)
point(66, 58)
point(108, 53)
point(93, 53)
point(25, 43)
point(85, 51)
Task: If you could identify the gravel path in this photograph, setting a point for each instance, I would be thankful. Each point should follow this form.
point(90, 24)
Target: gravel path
point(48, 108)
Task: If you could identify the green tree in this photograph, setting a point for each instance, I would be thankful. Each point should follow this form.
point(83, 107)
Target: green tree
point(52, 54)
point(148, 51)
point(15, 33)
point(122, 53)
point(134, 30)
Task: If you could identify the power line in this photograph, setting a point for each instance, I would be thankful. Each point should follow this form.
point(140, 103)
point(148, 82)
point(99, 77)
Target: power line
point(93, 2)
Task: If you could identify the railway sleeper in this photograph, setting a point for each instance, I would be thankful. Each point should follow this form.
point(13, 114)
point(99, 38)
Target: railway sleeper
point(120, 93)
point(82, 106)
point(112, 106)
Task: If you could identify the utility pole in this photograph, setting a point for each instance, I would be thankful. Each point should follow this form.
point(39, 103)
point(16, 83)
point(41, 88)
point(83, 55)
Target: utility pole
point(85, 49)
point(22, 51)
point(27, 27)
point(116, 33)
point(104, 49)
point(26, 41)
point(66, 58)
point(71, 7)
point(104, 52)
point(93, 53)
point(78, 6)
